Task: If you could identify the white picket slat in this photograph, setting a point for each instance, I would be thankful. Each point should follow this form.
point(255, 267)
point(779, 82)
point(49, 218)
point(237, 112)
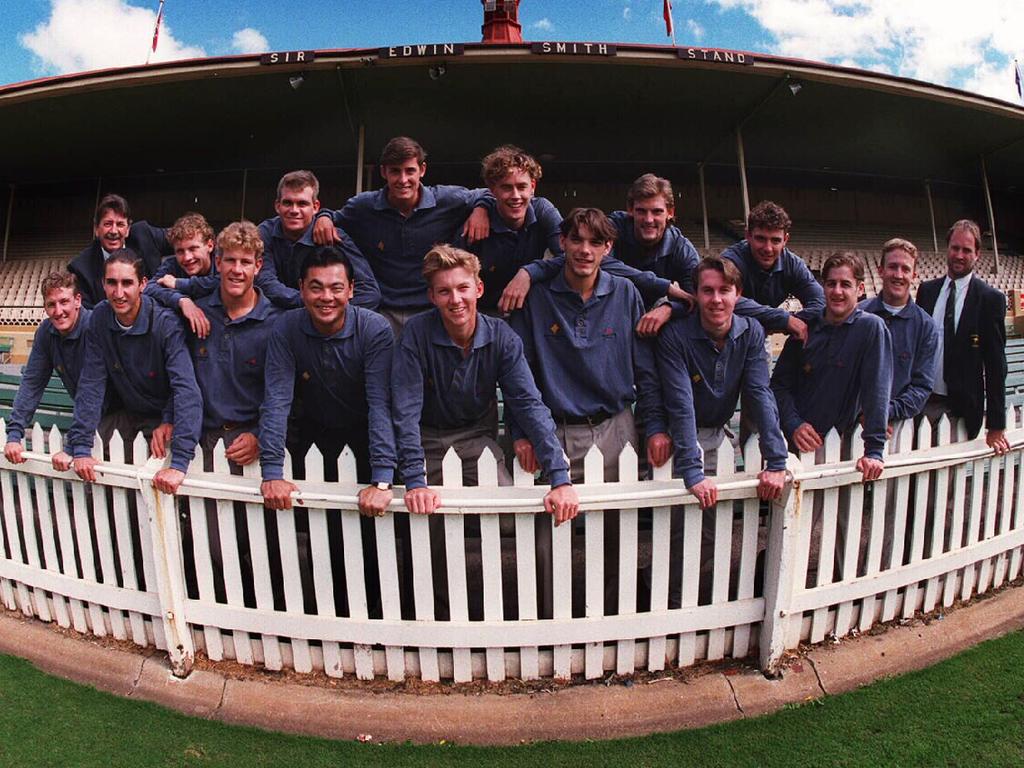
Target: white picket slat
point(593, 474)
point(65, 535)
point(829, 523)
point(231, 562)
point(625, 650)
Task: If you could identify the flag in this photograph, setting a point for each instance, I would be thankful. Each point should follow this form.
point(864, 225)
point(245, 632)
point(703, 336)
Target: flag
point(1017, 80)
point(156, 29)
point(667, 13)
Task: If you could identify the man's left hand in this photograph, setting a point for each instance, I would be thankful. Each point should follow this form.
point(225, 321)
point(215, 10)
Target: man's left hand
point(477, 226)
point(244, 449)
point(659, 449)
point(652, 322)
point(870, 468)
point(160, 440)
point(168, 480)
point(770, 484)
point(374, 501)
point(996, 440)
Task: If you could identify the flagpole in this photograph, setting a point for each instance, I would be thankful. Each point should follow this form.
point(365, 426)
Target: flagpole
point(156, 31)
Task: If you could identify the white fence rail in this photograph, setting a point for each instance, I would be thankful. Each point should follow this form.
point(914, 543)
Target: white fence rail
point(488, 588)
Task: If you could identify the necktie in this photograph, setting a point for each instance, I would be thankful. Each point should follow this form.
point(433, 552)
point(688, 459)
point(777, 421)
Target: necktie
point(949, 332)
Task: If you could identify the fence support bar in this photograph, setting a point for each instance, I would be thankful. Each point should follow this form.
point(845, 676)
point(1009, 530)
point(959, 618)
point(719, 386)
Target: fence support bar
point(170, 571)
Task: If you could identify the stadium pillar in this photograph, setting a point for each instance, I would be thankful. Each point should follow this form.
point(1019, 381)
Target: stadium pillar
point(931, 213)
point(991, 215)
point(245, 183)
point(704, 207)
point(360, 151)
point(7, 221)
point(743, 172)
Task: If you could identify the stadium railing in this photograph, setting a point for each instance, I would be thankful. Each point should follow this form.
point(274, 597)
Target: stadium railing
point(461, 595)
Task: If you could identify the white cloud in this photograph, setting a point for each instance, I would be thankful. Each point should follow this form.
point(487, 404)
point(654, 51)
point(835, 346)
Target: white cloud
point(250, 40)
point(544, 25)
point(95, 34)
point(695, 29)
point(627, 13)
point(942, 42)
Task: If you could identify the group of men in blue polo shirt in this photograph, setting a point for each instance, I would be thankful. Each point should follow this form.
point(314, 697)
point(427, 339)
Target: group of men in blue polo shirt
point(364, 327)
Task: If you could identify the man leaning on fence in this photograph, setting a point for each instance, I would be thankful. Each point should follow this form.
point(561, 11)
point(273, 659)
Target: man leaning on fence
point(137, 349)
point(970, 367)
point(58, 345)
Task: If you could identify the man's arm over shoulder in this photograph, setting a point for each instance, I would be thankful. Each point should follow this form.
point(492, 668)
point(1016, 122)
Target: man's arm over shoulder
point(801, 283)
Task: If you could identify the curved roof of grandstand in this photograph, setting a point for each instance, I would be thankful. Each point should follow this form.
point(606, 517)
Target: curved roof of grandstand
point(646, 106)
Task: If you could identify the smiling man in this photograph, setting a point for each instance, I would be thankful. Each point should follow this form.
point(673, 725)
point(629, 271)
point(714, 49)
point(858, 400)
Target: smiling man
point(970, 368)
point(58, 345)
point(843, 370)
point(191, 236)
point(448, 364)
point(230, 361)
point(136, 348)
point(336, 359)
point(771, 273)
point(914, 335)
point(522, 225)
point(706, 360)
point(394, 227)
point(114, 230)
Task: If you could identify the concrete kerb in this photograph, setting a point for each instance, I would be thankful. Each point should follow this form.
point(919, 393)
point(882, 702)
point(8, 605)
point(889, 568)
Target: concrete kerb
point(578, 712)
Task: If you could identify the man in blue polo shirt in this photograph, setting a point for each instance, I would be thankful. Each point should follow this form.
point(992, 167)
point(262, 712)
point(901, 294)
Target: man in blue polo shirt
point(114, 230)
point(191, 236)
point(771, 273)
point(336, 359)
point(915, 337)
point(706, 360)
point(230, 361)
point(58, 345)
point(578, 336)
point(137, 348)
point(843, 370)
point(522, 225)
point(394, 227)
point(446, 368)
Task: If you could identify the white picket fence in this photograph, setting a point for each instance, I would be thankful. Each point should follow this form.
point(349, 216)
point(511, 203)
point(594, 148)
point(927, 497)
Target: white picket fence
point(319, 588)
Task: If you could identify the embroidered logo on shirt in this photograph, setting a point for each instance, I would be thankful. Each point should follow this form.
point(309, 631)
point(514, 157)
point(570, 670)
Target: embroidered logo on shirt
point(305, 376)
point(555, 328)
point(152, 374)
point(696, 378)
point(380, 246)
point(201, 352)
point(608, 332)
point(807, 368)
point(251, 361)
point(975, 341)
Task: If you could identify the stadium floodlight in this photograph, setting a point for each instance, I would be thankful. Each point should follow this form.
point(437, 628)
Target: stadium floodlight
point(795, 87)
point(437, 71)
point(296, 81)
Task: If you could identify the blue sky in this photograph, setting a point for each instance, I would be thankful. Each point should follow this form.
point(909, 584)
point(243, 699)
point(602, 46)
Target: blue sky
point(931, 40)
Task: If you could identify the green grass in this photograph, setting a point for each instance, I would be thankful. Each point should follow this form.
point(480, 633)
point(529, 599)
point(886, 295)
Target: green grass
point(968, 711)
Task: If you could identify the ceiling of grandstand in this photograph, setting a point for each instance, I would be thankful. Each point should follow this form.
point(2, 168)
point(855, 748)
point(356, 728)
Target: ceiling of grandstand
point(643, 109)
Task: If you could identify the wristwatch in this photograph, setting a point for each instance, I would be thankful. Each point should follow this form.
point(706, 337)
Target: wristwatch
point(382, 486)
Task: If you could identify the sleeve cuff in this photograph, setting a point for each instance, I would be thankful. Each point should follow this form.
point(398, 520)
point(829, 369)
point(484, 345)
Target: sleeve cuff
point(273, 472)
point(382, 475)
point(560, 477)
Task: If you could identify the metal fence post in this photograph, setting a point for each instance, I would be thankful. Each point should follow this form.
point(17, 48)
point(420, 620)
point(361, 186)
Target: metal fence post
point(170, 572)
point(779, 573)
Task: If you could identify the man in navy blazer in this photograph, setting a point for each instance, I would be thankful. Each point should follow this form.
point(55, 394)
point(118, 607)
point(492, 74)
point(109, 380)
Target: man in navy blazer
point(970, 371)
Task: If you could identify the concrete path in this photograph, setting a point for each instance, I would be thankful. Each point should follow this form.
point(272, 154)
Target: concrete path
point(310, 705)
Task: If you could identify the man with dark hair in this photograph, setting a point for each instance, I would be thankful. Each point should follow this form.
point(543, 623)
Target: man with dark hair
point(970, 366)
point(138, 349)
point(191, 236)
point(844, 369)
point(58, 345)
point(578, 336)
point(522, 225)
point(395, 226)
point(706, 359)
point(113, 230)
point(230, 361)
point(771, 273)
point(336, 357)
point(446, 369)
point(914, 335)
